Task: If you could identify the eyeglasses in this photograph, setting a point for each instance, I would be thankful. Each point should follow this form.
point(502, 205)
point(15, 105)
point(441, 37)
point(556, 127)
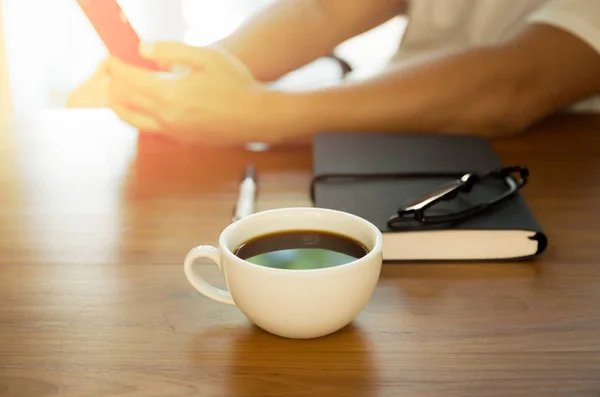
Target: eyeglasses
point(467, 195)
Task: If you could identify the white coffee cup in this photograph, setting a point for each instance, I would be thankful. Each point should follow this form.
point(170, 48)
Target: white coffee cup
point(293, 303)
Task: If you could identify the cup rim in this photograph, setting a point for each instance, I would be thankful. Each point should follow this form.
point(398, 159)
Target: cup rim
point(377, 247)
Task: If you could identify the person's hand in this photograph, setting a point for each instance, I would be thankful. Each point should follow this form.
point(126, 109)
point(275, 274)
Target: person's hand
point(93, 92)
point(216, 100)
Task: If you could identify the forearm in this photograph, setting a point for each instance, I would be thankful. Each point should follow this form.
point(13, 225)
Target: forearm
point(454, 93)
point(292, 33)
point(487, 91)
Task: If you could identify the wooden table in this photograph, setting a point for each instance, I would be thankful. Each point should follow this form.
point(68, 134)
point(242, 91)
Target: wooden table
point(95, 223)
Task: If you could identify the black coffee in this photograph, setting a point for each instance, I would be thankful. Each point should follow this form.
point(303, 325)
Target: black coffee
point(301, 249)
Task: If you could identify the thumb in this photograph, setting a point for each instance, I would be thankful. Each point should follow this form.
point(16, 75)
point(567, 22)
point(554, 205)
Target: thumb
point(102, 68)
point(179, 53)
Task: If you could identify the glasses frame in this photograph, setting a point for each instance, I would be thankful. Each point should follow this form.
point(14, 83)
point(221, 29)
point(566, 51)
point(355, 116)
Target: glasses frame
point(463, 183)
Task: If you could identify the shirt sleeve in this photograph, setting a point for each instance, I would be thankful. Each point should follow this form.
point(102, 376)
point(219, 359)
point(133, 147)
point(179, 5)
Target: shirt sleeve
point(581, 18)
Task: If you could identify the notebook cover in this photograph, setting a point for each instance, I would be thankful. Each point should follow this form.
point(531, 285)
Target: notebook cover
point(377, 200)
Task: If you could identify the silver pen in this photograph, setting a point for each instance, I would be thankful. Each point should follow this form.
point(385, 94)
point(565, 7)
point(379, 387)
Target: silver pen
point(247, 194)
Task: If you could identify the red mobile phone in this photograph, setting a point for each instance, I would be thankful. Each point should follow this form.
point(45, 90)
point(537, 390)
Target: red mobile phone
point(115, 31)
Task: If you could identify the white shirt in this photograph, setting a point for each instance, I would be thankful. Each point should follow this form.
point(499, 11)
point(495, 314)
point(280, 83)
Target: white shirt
point(457, 24)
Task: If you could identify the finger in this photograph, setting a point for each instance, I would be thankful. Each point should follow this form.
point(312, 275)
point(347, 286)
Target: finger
point(139, 79)
point(129, 97)
point(135, 119)
point(102, 67)
point(179, 53)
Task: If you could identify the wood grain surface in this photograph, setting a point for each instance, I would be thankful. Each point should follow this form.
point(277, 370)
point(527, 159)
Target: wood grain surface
point(95, 222)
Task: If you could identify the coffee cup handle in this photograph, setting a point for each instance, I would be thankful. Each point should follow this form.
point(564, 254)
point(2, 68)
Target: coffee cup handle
point(210, 291)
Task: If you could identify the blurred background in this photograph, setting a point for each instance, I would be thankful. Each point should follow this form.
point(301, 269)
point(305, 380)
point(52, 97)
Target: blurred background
point(47, 47)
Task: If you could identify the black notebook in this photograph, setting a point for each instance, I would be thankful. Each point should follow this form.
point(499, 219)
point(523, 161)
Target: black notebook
point(506, 231)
